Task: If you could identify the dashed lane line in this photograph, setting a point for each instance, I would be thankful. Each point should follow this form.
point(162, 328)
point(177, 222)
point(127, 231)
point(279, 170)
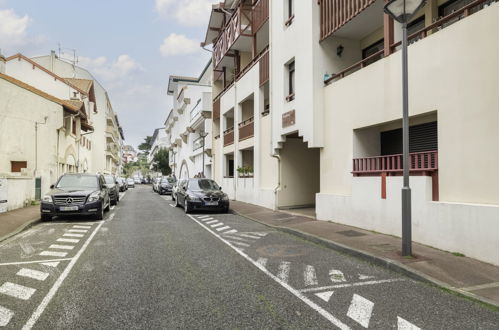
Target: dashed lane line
point(5, 316)
point(54, 254)
point(17, 291)
point(295, 292)
point(41, 308)
point(34, 274)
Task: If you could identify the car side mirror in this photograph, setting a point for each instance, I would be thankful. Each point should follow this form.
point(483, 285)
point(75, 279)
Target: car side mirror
point(52, 186)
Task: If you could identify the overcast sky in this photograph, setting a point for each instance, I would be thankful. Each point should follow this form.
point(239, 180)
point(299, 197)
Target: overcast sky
point(131, 47)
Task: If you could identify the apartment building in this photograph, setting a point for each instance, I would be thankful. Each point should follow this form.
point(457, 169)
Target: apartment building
point(43, 136)
point(242, 159)
point(158, 142)
point(333, 97)
point(188, 126)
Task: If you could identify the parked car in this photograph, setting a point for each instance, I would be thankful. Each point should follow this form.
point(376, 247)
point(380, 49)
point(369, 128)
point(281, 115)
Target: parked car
point(122, 184)
point(175, 188)
point(155, 184)
point(137, 180)
point(166, 185)
point(76, 194)
point(130, 182)
point(114, 189)
point(201, 194)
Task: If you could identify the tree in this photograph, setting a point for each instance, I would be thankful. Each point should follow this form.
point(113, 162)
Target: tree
point(160, 162)
point(146, 145)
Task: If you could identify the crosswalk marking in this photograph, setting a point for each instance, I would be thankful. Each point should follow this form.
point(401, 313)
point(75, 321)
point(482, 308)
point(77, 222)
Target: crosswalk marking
point(68, 240)
point(73, 235)
point(207, 219)
point(325, 295)
point(16, 290)
point(405, 325)
point(239, 243)
point(236, 237)
point(82, 227)
point(223, 228)
point(51, 264)
point(77, 230)
point(232, 231)
point(283, 273)
point(203, 216)
point(210, 222)
point(360, 310)
point(61, 247)
point(217, 225)
point(31, 273)
point(309, 276)
point(249, 236)
point(257, 233)
point(53, 253)
point(336, 276)
point(262, 261)
point(5, 316)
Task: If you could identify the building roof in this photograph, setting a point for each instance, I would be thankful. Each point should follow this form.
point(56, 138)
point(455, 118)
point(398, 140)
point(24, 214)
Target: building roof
point(20, 56)
point(83, 84)
point(174, 79)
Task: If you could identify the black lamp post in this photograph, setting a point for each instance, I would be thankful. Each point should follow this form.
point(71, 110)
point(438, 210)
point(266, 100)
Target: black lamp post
point(402, 11)
point(203, 135)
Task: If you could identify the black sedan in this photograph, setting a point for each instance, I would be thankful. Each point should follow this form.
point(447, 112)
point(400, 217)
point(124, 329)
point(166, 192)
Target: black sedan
point(114, 188)
point(76, 194)
point(201, 194)
point(165, 186)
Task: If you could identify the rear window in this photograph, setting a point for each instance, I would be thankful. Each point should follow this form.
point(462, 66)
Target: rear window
point(78, 181)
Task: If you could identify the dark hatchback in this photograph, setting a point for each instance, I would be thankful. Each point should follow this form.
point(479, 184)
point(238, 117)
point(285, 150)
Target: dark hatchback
point(76, 194)
point(201, 194)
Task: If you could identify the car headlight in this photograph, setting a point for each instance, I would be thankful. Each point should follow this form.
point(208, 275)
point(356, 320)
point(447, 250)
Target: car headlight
point(194, 198)
point(47, 199)
point(225, 198)
point(94, 196)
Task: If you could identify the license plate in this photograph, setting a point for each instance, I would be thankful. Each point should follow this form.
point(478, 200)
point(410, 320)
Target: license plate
point(69, 208)
point(211, 203)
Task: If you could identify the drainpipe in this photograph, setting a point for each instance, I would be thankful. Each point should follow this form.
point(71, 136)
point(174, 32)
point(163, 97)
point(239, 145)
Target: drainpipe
point(278, 187)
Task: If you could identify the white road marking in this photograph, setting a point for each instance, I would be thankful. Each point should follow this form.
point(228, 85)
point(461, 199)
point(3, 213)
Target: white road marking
point(262, 261)
point(73, 235)
point(365, 277)
point(283, 273)
point(41, 308)
point(16, 290)
point(236, 237)
point(239, 243)
point(257, 233)
point(348, 285)
point(61, 247)
point(51, 264)
point(223, 228)
point(112, 207)
point(210, 222)
point(77, 230)
point(32, 262)
point(336, 276)
point(5, 316)
point(309, 276)
point(249, 236)
point(67, 240)
point(82, 227)
point(232, 231)
point(328, 316)
point(326, 296)
point(172, 205)
point(31, 273)
point(217, 225)
point(53, 254)
point(111, 217)
point(360, 310)
point(202, 216)
point(405, 325)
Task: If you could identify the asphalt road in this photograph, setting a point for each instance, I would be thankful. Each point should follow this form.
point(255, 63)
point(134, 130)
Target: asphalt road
point(150, 266)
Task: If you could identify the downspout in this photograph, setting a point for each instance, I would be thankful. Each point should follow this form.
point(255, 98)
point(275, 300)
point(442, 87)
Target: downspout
point(278, 187)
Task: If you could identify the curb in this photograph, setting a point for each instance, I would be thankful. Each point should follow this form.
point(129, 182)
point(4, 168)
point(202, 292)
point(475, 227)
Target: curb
point(380, 261)
point(21, 228)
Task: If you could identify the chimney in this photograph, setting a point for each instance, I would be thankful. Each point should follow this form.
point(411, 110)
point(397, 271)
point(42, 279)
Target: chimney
point(2, 64)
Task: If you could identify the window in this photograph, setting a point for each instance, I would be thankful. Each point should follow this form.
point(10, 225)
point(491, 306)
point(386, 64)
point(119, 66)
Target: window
point(415, 26)
point(16, 166)
point(373, 49)
point(291, 81)
point(73, 127)
point(290, 14)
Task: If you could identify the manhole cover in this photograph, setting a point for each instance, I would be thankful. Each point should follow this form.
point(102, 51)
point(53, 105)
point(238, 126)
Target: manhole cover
point(351, 233)
point(281, 251)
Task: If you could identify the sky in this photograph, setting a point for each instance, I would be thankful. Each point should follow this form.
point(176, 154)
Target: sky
point(130, 46)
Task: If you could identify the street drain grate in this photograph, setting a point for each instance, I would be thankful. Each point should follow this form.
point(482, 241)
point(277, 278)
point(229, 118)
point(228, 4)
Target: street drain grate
point(351, 233)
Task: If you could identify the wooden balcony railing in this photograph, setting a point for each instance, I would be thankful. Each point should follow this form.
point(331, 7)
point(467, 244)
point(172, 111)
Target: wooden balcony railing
point(420, 163)
point(264, 68)
point(260, 14)
point(229, 136)
point(246, 129)
point(336, 13)
point(465, 11)
point(216, 109)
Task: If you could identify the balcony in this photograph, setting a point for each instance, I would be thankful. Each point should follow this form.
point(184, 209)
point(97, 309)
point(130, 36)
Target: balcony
point(229, 136)
point(216, 109)
point(264, 68)
point(197, 144)
point(421, 163)
point(260, 14)
point(202, 107)
point(246, 129)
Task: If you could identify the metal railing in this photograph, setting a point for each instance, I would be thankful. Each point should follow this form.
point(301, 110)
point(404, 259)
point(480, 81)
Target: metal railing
point(422, 162)
point(197, 144)
point(246, 129)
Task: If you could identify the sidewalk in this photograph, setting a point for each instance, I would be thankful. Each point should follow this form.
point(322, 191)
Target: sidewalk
point(465, 276)
point(13, 222)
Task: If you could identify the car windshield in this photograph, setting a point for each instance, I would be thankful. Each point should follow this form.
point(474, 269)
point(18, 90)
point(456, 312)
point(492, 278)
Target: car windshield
point(78, 181)
point(168, 180)
point(109, 179)
point(203, 184)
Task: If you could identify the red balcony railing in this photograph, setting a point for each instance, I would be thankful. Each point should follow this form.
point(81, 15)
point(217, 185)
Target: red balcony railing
point(336, 13)
point(260, 14)
point(420, 163)
point(216, 109)
point(229, 136)
point(246, 129)
point(264, 68)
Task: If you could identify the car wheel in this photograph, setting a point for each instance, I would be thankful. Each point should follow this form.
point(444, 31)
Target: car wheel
point(187, 209)
point(100, 214)
point(46, 217)
point(176, 202)
point(108, 207)
point(112, 202)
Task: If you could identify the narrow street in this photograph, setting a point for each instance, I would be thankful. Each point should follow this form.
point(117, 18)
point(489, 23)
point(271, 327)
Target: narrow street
point(150, 266)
